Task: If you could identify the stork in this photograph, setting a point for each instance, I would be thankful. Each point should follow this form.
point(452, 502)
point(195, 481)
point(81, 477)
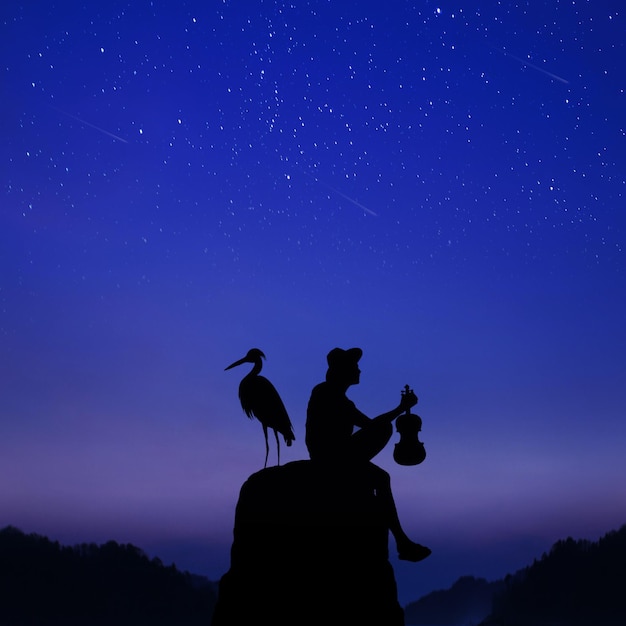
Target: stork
point(260, 399)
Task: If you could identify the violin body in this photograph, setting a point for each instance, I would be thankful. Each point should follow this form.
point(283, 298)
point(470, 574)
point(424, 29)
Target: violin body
point(409, 450)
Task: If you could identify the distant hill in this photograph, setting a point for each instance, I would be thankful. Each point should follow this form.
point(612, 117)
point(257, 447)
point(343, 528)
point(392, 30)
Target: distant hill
point(577, 583)
point(45, 584)
point(467, 602)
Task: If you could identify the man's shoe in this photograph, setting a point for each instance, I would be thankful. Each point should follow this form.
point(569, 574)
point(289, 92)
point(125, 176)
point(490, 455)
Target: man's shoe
point(413, 552)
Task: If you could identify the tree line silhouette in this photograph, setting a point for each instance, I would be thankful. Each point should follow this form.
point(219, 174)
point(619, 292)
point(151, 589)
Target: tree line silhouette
point(576, 583)
point(43, 583)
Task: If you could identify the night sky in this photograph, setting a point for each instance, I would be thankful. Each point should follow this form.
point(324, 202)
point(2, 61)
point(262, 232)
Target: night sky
point(441, 184)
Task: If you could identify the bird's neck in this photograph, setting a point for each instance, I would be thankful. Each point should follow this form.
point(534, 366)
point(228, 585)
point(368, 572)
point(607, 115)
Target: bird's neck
point(256, 369)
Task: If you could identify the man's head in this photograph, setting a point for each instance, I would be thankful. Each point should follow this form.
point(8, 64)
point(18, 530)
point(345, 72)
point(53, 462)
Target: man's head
point(343, 366)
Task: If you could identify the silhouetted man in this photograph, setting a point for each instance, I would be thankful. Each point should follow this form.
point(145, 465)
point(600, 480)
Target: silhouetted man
point(331, 418)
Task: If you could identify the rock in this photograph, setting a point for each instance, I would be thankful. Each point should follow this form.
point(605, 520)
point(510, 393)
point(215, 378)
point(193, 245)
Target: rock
point(310, 547)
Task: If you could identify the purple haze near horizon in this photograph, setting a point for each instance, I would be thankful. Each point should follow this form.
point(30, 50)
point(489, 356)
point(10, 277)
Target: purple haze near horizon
point(442, 186)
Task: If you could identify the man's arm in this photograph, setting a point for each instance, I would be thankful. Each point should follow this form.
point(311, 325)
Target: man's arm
point(409, 399)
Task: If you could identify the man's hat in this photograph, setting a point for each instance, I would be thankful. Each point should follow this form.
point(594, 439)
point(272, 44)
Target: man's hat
point(340, 359)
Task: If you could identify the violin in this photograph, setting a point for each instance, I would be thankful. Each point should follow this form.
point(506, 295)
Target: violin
point(409, 450)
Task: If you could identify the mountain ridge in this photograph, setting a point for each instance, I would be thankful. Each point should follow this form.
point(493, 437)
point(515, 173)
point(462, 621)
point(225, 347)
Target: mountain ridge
point(577, 582)
point(45, 583)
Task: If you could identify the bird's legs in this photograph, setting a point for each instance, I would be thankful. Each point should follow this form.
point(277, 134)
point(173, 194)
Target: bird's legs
point(277, 445)
point(267, 445)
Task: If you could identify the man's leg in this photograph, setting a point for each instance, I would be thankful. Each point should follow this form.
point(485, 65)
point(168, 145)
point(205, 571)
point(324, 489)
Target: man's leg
point(407, 550)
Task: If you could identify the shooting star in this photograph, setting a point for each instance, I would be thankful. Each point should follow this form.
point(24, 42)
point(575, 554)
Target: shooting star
point(343, 195)
point(535, 67)
point(106, 132)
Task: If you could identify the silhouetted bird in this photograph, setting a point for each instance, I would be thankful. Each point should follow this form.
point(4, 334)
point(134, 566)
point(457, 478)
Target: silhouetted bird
point(260, 399)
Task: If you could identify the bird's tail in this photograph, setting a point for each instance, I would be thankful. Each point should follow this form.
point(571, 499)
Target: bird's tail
point(289, 437)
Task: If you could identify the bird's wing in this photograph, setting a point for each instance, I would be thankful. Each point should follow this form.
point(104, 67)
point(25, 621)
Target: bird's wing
point(263, 401)
point(247, 397)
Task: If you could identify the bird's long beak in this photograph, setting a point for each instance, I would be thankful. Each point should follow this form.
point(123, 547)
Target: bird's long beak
point(236, 363)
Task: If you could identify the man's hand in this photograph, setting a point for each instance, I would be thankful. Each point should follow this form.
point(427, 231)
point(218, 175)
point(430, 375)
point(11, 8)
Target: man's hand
point(408, 399)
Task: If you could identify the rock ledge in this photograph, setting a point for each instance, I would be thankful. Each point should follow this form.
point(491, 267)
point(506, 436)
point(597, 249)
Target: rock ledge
point(310, 547)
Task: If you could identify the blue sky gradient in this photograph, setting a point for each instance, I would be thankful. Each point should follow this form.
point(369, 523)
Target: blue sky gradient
point(439, 184)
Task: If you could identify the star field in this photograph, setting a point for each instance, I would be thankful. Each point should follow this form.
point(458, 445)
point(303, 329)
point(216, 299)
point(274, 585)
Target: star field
point(442, 184)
